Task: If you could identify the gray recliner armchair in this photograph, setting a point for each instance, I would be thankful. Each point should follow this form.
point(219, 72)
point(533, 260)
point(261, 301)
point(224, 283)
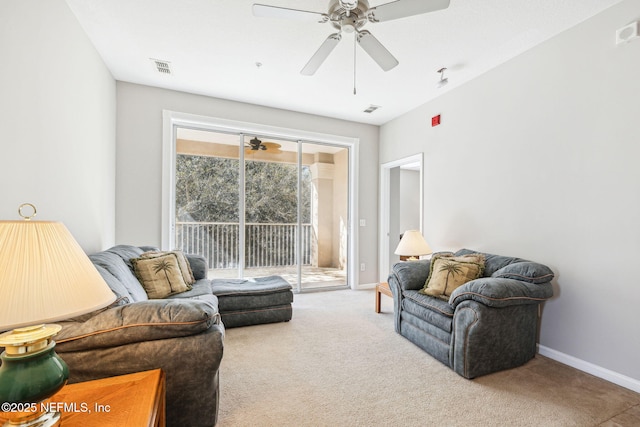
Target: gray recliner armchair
point(487, 324)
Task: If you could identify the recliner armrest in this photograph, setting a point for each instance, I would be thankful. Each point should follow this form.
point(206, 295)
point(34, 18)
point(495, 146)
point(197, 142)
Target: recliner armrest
point(501, 292)
point(137, 322)
point(410, 275)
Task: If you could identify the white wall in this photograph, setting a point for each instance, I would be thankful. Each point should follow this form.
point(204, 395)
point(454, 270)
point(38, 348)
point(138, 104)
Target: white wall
point(538, 158)
point(139, 159)
point(57, 115)
point(409, 200)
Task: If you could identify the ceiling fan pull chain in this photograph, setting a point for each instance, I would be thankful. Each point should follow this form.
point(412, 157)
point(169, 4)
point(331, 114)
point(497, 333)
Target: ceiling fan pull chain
point(350, 16)
point(355, 36)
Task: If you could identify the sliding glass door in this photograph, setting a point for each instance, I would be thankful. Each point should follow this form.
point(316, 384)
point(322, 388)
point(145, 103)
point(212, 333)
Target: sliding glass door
point(207, 201)
point(325, 170)
point(271, 199)
point(258, 206)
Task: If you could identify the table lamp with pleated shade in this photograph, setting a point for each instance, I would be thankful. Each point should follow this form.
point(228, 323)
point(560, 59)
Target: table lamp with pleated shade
point(412, 245)
point(45, 276)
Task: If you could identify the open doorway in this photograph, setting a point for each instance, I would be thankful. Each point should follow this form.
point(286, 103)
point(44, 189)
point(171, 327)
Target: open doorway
point(401, 202)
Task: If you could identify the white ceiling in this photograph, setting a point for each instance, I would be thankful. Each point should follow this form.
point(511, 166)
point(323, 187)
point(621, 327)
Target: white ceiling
point(213, 47)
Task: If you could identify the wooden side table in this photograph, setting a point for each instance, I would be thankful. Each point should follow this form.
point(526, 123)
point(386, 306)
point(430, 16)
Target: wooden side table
point(382, 288)
point(127, 400)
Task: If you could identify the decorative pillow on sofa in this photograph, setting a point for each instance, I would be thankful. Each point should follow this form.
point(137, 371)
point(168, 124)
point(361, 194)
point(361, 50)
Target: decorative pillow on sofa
point(449, 272)
point(183, 263)
point(160, 276)
point(527, 271)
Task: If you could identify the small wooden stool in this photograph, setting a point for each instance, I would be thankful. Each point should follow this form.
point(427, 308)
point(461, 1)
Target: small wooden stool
point(382, 288)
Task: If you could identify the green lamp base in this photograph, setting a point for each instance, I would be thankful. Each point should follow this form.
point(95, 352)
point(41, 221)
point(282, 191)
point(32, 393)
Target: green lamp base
point(28, 378)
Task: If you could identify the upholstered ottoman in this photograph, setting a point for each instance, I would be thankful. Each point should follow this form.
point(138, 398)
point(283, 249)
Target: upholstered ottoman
point(243, 302)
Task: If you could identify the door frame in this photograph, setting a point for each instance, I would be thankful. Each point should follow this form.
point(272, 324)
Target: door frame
point(385, 208)
point(171, 120)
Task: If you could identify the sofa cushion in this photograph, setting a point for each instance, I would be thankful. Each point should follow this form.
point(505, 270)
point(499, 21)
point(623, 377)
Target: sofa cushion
point(433, 310)
point(209, 298)
point(126, 252)
point(160, 275)
point(122, 294)
point(526, 271)
point(198, 265)
point(492, 263)
point(199, 288)
point(183, 264)
point(115, 265)
point(257, 316)
point(447, 273)
point(247, 294)
point(138, 322)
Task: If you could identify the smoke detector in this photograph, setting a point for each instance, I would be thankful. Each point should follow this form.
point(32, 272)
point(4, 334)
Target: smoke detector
point(628, 33)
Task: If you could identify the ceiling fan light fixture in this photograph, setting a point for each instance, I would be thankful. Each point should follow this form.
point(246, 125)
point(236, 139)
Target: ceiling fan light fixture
point(443, 80)
point(350, 16)
point(348, 27)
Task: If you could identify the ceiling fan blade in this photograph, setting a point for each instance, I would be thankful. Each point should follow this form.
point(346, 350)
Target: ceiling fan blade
point(403, 8)
point(266, 11)
point(321, 54)
point(271, 145)
point(376, 50)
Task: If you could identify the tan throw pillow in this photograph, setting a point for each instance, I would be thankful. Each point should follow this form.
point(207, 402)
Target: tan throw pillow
point(449, 272)
point(160, 276)
point(183, 263)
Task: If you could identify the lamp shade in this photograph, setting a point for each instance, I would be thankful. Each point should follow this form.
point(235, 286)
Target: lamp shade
point(413, 244)
point(45, 275)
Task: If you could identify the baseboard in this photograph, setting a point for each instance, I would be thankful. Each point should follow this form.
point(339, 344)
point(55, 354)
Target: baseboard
point(590, 368)
point(365, 286)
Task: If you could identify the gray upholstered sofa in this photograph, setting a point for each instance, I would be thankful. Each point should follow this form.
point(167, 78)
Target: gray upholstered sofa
point(486, 325)
point(182, 334)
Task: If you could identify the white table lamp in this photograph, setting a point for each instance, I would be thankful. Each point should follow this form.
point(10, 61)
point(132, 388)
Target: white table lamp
point(413, 245)
point(44, 276)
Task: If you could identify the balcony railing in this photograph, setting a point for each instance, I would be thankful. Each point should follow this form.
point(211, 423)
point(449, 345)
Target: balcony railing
point(266, 245)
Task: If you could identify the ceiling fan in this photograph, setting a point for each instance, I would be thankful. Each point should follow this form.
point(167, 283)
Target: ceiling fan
point(350, 16)
point(257, 145)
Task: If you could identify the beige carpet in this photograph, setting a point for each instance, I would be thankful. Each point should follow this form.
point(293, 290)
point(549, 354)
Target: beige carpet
point(338, 363)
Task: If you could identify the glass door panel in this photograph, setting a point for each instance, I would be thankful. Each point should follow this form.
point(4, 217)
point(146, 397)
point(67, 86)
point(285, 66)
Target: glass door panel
point(325, 173)
point(271, 207)
point(207, 200)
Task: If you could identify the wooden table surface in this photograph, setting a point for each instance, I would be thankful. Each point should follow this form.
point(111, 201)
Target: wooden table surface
point(124, 401)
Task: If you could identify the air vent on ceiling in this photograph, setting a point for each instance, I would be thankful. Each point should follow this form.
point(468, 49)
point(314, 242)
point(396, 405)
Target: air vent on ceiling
point(163, 67)
point(371, 108)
